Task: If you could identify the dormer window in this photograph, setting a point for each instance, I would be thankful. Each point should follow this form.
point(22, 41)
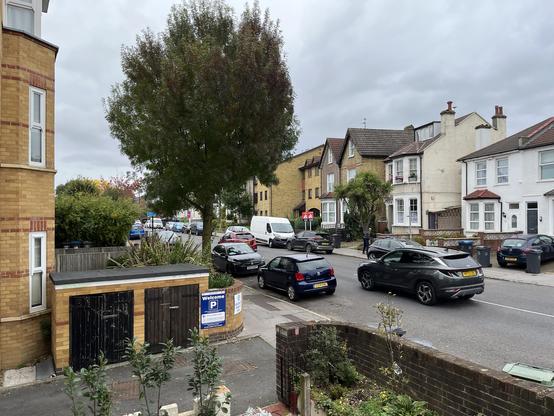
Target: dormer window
point(350, 149)
point(23, 15)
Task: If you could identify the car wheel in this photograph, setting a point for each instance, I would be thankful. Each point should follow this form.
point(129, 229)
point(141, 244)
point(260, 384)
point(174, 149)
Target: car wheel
point(291, 293)
point(289, 246)
point(261, 281)
point(270, 243)
point(371, 256)
point(330, 292)
point(426, 293)
point(366, 280)
point(309, 248)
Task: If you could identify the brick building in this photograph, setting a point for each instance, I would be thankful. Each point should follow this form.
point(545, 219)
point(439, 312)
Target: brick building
point(26, 181)
point(286, 197)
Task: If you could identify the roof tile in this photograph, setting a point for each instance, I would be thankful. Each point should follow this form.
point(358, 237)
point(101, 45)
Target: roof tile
point(481, 194)
point(379, 142)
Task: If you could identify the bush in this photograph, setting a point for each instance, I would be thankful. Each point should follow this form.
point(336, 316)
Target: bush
point(419, 239)
point(95, 218)
point(298, 223)
point(154, 252)
point(220, 280)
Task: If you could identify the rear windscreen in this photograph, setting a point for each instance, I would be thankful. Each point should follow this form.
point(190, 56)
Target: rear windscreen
point(306, 266)
point(459, 261)
point(245, 236)
point(514, 242)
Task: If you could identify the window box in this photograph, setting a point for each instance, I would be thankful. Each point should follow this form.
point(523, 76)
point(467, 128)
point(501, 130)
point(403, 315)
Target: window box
point(412, 178)
point(398, 179)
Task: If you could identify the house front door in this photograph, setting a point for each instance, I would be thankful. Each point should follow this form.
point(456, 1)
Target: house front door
point(532, 218)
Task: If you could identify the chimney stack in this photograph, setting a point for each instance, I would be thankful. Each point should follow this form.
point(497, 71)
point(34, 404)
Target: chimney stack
point(447, 119)
point(499, 123)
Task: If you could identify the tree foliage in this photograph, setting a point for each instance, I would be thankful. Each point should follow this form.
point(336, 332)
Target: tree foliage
point(205, 105)
point(364, 195)
point(238, 203)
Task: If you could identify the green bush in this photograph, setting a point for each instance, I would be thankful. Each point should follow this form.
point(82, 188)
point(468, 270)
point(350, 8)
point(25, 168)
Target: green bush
point(153, 252)
point(220, 280)
point(95, 218)
point(298, 223)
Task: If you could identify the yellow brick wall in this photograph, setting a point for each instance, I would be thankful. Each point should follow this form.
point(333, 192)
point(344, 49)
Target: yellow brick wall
point(312, 183)
point(26, 193)
point(60, 311)
point(284, 196)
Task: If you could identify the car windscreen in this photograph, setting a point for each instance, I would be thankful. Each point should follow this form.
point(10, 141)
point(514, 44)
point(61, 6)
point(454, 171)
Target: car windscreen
point(238, 249)
point(323, 235)
point(244, 236)
point(514, 243)
point(459, 261)
point(306, 266)
point(281, 227)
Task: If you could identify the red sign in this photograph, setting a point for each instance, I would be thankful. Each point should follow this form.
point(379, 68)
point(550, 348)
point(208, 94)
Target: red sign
point(188, 214)
point(307, 215)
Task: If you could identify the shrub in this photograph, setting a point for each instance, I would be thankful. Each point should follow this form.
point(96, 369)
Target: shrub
point(298, 223)
point(220, 280)
point(419, 239)
point(153, 252)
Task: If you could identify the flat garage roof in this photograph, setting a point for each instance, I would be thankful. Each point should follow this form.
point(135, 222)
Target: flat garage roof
point(113, 275)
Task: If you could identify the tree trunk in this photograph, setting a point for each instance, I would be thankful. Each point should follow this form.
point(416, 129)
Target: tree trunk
point(207, 218)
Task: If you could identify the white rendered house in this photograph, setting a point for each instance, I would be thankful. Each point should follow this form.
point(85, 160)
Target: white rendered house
point(509, 186)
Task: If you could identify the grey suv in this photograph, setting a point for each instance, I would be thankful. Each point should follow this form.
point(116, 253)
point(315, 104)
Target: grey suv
point(430, 273)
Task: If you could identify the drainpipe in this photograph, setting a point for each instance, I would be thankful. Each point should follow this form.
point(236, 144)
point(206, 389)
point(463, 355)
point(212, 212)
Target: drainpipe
point(465, 194)
point(501, 214)
point(421, 191)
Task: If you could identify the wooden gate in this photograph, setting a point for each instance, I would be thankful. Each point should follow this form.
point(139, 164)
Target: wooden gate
point(99, 323)
point(170, 312)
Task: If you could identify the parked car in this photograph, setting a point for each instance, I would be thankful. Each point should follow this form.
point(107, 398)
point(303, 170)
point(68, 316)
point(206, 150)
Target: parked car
point(196, 228)
point(169, 225)
point(157, 222)
point(137, 222)
point(236, 258)
point(168, 237)
point(239, 237)
point(298, 274)
point(311, 241)
point(431, 273)
point(237, 229)
point(137, 232)
point(515, 250)
point(382, 246)
point(273, 231)
point(177, 227)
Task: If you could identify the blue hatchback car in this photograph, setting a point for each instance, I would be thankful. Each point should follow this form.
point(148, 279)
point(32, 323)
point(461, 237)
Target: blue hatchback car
point(298, 275)
point(514, 250)
point(136, 233)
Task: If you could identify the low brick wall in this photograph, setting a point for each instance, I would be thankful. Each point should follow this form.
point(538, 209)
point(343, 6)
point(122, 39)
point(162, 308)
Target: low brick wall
point(451, 386)
point(234, 323)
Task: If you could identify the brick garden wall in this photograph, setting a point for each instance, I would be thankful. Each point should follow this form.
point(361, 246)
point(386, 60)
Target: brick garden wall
point(452, 386)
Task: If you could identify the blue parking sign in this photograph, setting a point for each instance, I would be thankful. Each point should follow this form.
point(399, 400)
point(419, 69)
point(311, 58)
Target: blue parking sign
point(212, 309)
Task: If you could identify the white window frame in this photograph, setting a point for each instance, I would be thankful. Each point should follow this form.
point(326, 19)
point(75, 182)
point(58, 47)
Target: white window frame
point(411, 221)
point(483, 179)
point(390, 170)
point(41, 126)
point(507, 175)
point(474, 221)
point(544, 164)
point(34, 5)
point(350, 148)
point(350, 174)
point(512, 218)
point(33, 269)
point(329, 157)
point(399, 214)
point(485, 212)
point(326, 212)
point(415, 170)
point(399, 163)
point(330, 183)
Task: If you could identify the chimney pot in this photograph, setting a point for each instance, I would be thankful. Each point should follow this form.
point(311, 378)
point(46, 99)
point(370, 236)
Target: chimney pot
point(500, 110)
point(449, 103)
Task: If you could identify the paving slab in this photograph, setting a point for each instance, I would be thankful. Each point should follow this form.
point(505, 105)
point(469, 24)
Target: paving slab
point(19, 376)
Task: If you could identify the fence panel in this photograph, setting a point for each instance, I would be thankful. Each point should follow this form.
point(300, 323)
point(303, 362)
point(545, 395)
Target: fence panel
point(84, 259)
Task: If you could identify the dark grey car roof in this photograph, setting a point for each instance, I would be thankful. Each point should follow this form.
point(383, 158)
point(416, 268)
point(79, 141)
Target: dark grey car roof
point(437, 251)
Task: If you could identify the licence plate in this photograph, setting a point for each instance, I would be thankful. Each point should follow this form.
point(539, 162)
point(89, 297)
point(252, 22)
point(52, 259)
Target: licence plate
point(251, 267)
point(324, 244)
point(470, 273)
point(318, 285)
point(510, 258)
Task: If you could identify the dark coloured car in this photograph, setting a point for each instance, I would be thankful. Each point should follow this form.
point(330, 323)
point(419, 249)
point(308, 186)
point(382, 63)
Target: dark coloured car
point(196, 228)
point(430, 273)
point(515, 250)
point(382, 246)
point(311, 241)
point(298, 275)
point(236, 258)
point(136, 233)
point(239, 237)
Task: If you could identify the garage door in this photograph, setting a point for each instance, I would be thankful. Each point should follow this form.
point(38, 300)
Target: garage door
point(171, 312)
point(99, 323)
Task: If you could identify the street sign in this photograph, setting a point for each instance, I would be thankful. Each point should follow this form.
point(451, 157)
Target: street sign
point(212, 308)
point(307, 215)
point(151, 214)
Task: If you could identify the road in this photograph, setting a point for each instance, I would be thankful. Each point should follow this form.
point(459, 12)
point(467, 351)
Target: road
point(509, 322)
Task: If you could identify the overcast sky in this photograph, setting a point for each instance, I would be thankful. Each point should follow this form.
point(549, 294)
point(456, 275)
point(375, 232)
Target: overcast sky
point(393, 62)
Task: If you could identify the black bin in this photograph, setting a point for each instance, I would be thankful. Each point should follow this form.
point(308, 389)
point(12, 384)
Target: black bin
point(534, 261)
point(483, 256)
point(336, 240)
point(465, 245)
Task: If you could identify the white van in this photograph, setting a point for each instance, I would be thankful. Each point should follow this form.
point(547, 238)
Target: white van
point(273, 231)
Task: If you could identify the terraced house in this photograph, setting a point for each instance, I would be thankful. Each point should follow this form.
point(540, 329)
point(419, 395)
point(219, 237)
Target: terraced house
point(329, 175)
point(26, 181)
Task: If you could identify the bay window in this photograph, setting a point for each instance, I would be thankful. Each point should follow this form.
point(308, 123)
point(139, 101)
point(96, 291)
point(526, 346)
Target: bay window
point(400, 211)
point(412, 175)
point(24, 15)
point(474, 216)
point(328, 212)
point(36, 127)
point(413, 211)
point(37, 271)
point(390, 174)
point(399, 171)
point(489, 216)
